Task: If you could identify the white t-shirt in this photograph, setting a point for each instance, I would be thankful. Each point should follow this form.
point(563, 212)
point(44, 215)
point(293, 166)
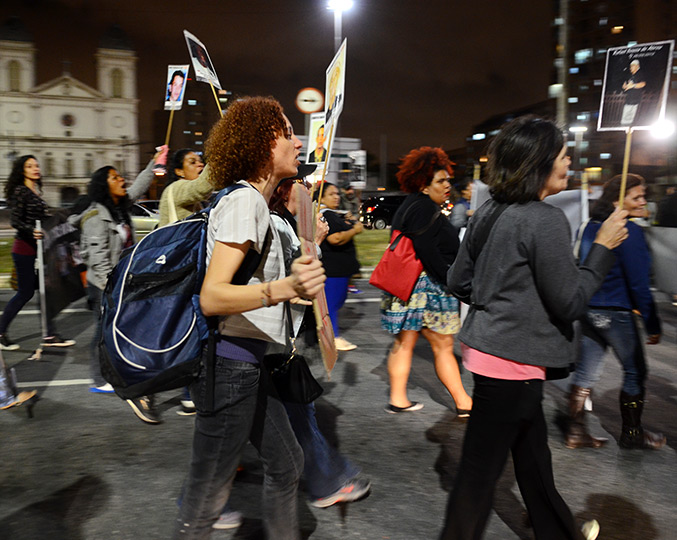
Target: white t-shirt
point(239, 217)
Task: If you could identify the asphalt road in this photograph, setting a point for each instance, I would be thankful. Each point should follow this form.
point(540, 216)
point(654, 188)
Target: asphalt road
point(86, 468)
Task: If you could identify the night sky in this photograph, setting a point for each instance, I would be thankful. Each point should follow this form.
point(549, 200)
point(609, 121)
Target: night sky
point(421, 72)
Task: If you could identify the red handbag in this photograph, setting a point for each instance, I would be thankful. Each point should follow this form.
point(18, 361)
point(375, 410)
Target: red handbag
point(399, 268)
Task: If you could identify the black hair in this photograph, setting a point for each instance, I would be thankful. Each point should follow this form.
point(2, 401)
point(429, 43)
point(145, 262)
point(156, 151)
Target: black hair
point(521, 158)
point(177, 73)
point(16, 177)
point(316, 193)
point(176, 162)
point(99, 191)
point(611, 193)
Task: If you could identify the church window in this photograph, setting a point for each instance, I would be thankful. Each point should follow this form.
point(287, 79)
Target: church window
point(116, 80)
point(14, 70)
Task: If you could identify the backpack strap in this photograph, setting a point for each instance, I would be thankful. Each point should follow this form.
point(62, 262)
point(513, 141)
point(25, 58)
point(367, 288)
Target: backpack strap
point(249, 265)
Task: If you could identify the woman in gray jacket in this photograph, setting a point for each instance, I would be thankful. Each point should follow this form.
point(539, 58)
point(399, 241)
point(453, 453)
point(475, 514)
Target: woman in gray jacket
point(524, 289)
point(106, 229)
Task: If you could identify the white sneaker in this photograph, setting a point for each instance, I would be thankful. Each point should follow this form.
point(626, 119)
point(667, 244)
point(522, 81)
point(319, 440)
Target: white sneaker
point(590, 529)
point(230, 519)
point(343, 344)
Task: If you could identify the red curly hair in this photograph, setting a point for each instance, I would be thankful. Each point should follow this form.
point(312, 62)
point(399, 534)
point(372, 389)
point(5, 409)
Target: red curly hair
point(418, 167)
point(240, 145)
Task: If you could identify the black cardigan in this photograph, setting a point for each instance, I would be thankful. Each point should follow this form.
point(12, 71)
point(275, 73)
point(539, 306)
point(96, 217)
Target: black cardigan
point(437, 245)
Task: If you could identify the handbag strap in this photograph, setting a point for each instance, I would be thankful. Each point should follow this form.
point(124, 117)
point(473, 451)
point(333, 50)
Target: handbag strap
point(290, 324)
point(396, 241)
point(479, 239)
point(173, 216)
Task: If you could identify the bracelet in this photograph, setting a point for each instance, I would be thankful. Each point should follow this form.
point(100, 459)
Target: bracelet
point(266, 299)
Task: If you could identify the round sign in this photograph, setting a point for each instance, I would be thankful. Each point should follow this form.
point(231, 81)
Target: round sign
point(309, 100)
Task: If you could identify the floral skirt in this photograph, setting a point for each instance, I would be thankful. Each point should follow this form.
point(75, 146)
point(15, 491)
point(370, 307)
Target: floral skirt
point(429, 306)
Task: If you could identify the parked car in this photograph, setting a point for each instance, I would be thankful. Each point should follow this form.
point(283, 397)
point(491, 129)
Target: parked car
point(144, 220)
point(378, 211)
point(151, 204)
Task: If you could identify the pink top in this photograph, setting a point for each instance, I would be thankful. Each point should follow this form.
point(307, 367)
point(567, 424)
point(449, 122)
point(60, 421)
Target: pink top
point(495, 367)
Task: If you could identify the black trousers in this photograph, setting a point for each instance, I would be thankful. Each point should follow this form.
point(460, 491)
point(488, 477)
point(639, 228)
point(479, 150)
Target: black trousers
point(507, 416)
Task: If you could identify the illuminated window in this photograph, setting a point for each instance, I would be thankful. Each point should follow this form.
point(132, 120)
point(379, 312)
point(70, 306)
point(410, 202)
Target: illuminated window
point(597, 82)
point(616, 29)
point(573, 70)
point(603, 21)
point(116, 83)
point(14, 72)
point(582, 56)
point(572, 99)
point(192, 102)
point(479, 136)
point(605, 155)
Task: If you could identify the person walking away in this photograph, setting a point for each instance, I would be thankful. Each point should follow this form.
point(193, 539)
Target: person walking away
point(330, 478)
point(516, 270)
point(610, 322)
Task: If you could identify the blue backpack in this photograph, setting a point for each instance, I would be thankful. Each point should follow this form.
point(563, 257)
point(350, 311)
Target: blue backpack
point(153, 331)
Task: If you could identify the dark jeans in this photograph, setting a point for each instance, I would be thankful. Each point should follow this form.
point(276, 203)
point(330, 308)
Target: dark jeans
point(28, 282)
point(325, 470)
point(94, 295)
point(604, 328)
point(336, 289)
point(507, 416)
point(243, 410)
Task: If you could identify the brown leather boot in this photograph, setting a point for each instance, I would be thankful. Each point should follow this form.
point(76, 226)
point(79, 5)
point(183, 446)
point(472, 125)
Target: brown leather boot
point(577, 434)
point(633, 435)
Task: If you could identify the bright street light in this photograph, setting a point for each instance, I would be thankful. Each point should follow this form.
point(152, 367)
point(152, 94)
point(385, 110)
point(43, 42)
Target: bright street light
point(578, 129)
point(663, 129)
point(338, 7)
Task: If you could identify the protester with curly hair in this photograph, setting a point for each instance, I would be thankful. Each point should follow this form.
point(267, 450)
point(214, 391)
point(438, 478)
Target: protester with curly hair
point(253, 145)
point(516, 270)
point(22, 192)
point(430, 311)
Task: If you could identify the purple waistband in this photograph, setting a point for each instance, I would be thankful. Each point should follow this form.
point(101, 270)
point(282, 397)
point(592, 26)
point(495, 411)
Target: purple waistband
point(242, 349)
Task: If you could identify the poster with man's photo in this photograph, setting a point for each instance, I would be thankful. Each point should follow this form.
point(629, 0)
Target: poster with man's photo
point(317, 147)
point(335, 83)
point(635, 89)
point(202, 64)
point(176, 86)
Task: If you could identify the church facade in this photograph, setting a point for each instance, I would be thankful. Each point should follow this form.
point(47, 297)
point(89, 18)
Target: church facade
point(70, 127)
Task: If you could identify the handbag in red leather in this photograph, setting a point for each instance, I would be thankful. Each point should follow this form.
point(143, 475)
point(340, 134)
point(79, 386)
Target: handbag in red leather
point(399, 268)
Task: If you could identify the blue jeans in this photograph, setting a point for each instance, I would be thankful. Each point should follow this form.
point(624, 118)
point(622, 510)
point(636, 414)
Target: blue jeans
point(94, 295)
point(27, 283)
point(507, 417)
point(604, 328)
point(336, 289)
point(243, 410)
point(324, 468)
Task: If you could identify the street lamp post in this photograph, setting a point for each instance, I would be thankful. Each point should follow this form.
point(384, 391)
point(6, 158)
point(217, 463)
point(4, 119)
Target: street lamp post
point(338, 7)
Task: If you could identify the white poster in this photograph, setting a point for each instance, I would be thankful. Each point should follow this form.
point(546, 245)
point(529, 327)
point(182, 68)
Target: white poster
point(202, 64)
point(176, 86)
point(636, 84)
point(335, 84)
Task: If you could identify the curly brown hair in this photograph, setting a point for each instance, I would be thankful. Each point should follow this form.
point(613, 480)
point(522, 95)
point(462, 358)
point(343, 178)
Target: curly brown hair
point(418, 167)
point(240, 145)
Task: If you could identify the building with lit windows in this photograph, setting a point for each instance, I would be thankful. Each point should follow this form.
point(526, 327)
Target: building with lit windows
point(70, 127)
